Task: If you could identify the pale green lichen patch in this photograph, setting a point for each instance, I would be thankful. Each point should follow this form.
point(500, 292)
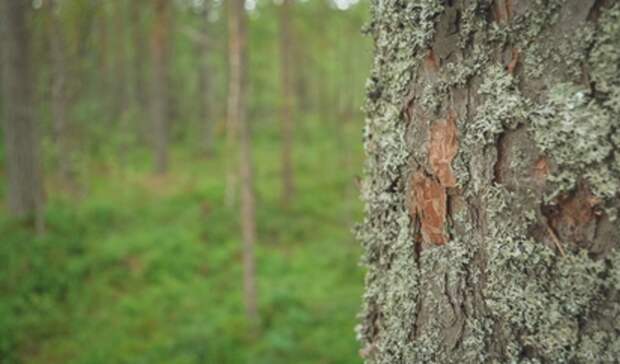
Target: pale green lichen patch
point(573, 55)
point(605, 58)
point(573, 129)
point(503, 107)
point(541, 300)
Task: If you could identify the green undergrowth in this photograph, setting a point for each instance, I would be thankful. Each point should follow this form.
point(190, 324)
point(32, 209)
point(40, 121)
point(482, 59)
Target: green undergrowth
point(146, 269)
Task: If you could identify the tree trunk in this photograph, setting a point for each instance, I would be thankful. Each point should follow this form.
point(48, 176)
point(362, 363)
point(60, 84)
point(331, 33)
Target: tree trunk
point(492, 183)
point(286, 106)
point(159, 88)
point(232, 155)
point(208, 115)
point(139, 52)
point(25, 188)
point(122, 83)
point(238, 120)
point(106, 69)
point(59, 94)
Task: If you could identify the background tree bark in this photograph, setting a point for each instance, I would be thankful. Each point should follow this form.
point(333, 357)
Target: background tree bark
point(159, 89)
point(287, 103)
point(25, 186)
point(237, 118)
point(492, 183)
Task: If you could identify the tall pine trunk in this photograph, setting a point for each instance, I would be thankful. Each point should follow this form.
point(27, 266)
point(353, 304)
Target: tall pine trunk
point(492, 182)
point(286, 100)
point(240, 129)
point(25, 186)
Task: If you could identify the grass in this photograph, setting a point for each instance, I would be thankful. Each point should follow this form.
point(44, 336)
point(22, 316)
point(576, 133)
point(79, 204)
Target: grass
point(147, 269)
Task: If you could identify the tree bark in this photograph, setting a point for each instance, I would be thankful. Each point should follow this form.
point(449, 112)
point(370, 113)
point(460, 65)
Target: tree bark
point(286, 106)
point(237, 118)
point(25, 186)
point(492, 183)
point(159, 88)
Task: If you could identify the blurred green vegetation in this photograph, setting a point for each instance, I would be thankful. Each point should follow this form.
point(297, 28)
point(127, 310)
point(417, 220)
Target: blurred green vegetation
point(142, 268)
point(147, 269)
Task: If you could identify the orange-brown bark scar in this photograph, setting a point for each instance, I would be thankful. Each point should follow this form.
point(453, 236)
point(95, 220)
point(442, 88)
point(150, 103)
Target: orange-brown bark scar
point(429, 206)
point(428, 193)
point(541, 170)
point(431, 63)
point(442, 150)
point(514, 62)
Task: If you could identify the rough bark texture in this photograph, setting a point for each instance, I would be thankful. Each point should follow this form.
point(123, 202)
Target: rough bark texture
point(25, 189)
point(159, 88)
point(492, 182)
point(237, 117)
point(286, 99)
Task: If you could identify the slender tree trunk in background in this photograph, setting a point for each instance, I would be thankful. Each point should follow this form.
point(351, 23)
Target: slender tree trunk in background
point(59, 94)
point(237, 118)
point(322, 82)
point(106, 74)
point(122, 83)
point(159, 87)
point(25, 185)
point(287, 104)
point(139, 54)
point(232, 153)
point(208, 115)
point(492, 183)
point(302, 97)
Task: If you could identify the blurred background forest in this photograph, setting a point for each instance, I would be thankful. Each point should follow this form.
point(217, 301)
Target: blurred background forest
point(134, 252)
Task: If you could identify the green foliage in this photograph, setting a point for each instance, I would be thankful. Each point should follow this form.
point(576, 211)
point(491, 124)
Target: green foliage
point(141, 269)
point(147, 269)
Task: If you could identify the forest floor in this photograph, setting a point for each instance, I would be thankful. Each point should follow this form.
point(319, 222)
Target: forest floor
point(146, 269)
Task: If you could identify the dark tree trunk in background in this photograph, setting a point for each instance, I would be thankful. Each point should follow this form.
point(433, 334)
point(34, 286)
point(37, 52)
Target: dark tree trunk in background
point(237, 117)
point(286, 103)
point(25, 186)
point(492, 183)
point(159, 87)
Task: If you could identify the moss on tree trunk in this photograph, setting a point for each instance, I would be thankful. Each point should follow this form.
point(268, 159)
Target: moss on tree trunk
point(492, 182)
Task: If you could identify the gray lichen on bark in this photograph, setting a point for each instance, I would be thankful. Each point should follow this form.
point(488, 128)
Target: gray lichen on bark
point(530, 272)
